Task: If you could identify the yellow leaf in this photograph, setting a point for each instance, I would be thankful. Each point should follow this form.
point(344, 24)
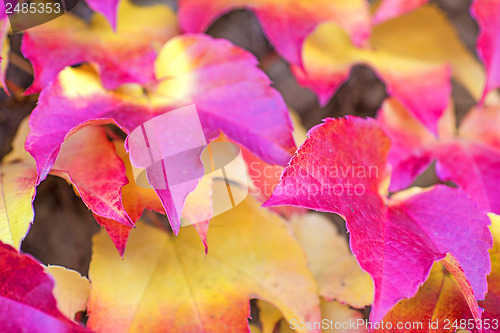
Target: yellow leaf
point(254, 328)
point(71, 290)
point(427, 34)
point(415, 56)
point(331, 262)
point(17, 190)
point(166, 282)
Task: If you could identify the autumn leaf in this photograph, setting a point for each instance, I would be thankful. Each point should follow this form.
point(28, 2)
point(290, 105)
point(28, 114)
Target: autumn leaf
point(71, 290)
point(89, 161)
point(486, 13)
point(285, 23)
point(230, 94)
point(411, 55)
point(433, 40)
point(126, 56)
point(135, 200)
point(438, 304)
point(168, 282)
point(17, 192)
point(397, 239)
point(468, 156)
point(26, 300)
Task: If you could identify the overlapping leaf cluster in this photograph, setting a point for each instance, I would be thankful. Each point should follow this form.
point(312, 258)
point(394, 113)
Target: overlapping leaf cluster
point(416, 254)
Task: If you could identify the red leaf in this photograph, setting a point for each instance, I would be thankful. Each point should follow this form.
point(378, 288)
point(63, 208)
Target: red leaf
point(341, 168)
point(486, 13)
point(88, 160)
point(26, 300)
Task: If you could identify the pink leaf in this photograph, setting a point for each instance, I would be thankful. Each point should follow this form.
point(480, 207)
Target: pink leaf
point(486, 13)
point(26, 300)
point(411, 149)
point(475, 168)
point(342, 168)
point(230, 93)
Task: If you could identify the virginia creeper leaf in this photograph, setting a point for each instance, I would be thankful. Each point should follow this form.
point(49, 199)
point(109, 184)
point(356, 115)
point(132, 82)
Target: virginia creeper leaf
point(469, 156)
point(230, 94)
point(89, 161)
point(395, 240)
point(433, 39)
point(26, 300)
point(179, 288)
point(134, 198)
point(486, 13)
point(71, 290)
point(329, 56)
point(285, 23)
point(122, 57)
point(411, 55)
point(17, 192)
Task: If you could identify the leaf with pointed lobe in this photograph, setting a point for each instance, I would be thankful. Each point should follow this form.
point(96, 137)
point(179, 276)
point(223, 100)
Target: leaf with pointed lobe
point(397, 239)
point(230, 94)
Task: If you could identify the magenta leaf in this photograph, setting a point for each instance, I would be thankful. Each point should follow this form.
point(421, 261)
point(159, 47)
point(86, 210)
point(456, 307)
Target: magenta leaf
point(230, 94)
point(342, 168)
point(26, 300)
point(487, 13)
